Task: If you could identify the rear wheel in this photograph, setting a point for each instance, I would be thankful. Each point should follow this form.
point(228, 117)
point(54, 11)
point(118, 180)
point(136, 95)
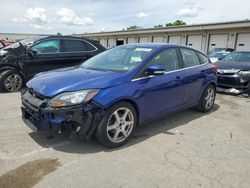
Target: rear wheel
point(117, 125)
point(207, 99)
point(11, 81)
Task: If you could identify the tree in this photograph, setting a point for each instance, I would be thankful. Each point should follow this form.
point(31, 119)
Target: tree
point(134, 27)
point(158, 26)
point(176, 23)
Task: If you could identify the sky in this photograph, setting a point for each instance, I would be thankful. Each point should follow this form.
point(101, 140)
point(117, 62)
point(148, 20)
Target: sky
point(80, 16)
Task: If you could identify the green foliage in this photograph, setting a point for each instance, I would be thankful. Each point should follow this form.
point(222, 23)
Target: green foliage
point(134, 27)
point(176, 23)
point(158, 26)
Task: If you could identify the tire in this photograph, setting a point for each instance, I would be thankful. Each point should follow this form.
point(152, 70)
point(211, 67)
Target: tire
point(207, 99)
point(117, 125)
point(11, 81)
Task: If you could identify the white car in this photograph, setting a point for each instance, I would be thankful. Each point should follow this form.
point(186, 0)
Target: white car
point(214, 57)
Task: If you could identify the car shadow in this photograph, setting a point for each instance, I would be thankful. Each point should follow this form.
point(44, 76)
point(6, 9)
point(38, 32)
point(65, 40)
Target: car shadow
point(83, 146)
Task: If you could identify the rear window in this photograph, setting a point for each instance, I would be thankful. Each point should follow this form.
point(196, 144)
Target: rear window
point(77, 46)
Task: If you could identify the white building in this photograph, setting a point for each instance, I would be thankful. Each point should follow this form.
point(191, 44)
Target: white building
point(204, 37)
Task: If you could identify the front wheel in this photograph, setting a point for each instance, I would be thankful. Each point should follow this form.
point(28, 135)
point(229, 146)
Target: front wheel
point(11, 81)
point(207, 99)
point(117, 125)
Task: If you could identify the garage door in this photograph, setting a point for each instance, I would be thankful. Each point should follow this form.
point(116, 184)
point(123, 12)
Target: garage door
point(195, 41)
point(111, 43)
point(243, 42)
point(174, 39)
point(131, 40)
point(144, 39)
point(103, 42)
point(218, 41)
point(158, 39)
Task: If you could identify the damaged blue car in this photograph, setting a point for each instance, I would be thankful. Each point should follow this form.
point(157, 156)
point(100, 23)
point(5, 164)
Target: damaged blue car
point(110, 94)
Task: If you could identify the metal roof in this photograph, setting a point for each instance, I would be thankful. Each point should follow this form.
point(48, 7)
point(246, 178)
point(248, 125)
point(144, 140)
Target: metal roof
point(193, 27)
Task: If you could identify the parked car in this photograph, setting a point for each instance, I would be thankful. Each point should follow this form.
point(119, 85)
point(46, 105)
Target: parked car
point(234, 73)
point(20, 61)
point(2, 44)
point(216, 56)
point(118, 89)
point(216, 50)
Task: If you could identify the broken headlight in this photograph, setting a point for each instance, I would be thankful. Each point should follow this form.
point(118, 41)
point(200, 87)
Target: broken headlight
point(72, 98)
point(245, 76)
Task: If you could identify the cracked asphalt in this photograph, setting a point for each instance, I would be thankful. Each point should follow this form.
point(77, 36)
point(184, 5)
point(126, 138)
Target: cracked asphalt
point(186, 149)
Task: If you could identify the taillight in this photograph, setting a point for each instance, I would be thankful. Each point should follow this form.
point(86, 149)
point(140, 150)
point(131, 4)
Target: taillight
point(214, 68)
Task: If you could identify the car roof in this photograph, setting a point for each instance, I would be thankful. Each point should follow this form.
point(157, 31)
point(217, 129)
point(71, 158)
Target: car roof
point(66, 37)
point(155, 45)
point(160, 46)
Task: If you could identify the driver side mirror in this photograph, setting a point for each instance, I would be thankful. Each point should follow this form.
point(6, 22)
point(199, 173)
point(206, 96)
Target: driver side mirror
point(156, 70)
point(31, 53)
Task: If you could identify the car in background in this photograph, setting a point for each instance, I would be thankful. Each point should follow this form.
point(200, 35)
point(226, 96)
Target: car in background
point(2, 44)
point(215, 56)
point(216, 50)
point(20, 61)
point(234, 73)
point(111, 93)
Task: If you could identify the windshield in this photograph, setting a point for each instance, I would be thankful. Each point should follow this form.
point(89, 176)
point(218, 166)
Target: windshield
point(238, 56)
point(217, 55)
point(121, 59)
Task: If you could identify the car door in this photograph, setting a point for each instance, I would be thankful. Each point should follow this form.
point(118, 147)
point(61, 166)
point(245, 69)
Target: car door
point(195, 72)
point(76, 51)
point(164, 93)
point(46, 56)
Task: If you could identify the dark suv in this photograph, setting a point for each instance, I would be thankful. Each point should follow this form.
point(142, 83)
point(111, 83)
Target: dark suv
point(20, 61)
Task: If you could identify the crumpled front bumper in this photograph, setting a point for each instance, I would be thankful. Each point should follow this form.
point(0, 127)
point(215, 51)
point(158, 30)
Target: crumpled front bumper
point(232, 83)
point(82, 119)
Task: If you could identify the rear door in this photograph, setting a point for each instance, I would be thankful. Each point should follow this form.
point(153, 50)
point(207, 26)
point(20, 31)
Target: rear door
point(46, 57)
point(76, 51)
point(196, 71)
point(164, 93)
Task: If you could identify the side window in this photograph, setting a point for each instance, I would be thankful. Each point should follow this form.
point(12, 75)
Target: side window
point(76, 46)
point(167, 58)
point(189, 57)
point(203, 58)
point(47, 47)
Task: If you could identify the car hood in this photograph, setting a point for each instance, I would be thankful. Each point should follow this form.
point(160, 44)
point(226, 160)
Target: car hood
point(226, 65)
point(73, 79)
point(8, 53)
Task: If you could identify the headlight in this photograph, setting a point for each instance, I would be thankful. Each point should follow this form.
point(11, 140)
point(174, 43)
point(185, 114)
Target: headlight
point(73, 98)
point(245, 76)
point(245, 72)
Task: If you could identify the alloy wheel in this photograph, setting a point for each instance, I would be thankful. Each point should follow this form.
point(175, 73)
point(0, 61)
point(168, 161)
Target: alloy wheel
point(209, 99)
point(120, 125)
point(13, 82)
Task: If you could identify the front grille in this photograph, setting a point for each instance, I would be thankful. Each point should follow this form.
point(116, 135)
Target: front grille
point(33, 102)
point(227, 81)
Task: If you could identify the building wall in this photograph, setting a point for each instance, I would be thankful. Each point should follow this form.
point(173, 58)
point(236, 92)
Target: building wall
point(208, 39)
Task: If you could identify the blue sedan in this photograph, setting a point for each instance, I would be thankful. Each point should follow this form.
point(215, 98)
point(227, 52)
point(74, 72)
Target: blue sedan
point(113, 92)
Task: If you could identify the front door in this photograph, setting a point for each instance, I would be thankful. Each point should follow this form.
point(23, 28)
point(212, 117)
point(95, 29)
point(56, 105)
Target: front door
point(46, 57)
point(165, 92)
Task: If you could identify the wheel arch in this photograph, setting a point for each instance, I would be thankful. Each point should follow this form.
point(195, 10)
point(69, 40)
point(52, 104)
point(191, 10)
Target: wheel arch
point(9, 67)
point(131, 102)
